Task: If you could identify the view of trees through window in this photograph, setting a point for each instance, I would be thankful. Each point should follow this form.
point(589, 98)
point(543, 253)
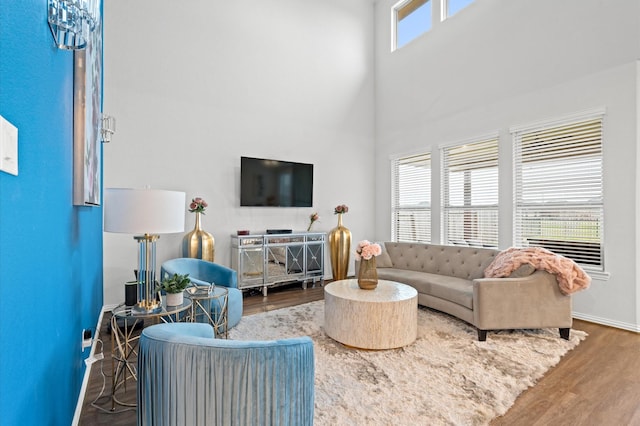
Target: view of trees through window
point(411, 207)
point(470, 193)
point(558, 196)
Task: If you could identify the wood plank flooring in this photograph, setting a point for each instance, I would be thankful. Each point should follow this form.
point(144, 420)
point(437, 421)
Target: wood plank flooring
point(598, 383)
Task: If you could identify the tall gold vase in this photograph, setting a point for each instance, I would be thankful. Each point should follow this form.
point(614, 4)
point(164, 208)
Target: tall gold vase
point(339, 249)
point(198, 243)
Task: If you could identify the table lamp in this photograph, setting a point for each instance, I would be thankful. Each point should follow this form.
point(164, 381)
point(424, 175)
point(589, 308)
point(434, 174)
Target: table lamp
point(147, 213)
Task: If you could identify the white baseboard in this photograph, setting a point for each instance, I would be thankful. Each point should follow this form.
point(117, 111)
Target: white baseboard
point(108, 308)
point(87, 370)
point(607, 322)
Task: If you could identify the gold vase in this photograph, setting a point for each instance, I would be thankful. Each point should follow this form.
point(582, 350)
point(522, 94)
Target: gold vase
point(339, 247)
point(367, 274)
point(198, 243)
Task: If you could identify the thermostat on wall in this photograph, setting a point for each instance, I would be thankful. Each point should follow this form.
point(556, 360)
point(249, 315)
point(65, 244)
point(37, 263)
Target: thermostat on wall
point(8, 147)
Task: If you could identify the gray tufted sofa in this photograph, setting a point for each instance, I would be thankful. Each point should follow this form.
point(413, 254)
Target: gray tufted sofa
point(450, 279)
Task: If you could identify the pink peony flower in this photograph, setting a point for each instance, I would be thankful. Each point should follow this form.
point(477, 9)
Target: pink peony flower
point(198, 205)
point(312, 218)
point(366, 250)
point(342, 208)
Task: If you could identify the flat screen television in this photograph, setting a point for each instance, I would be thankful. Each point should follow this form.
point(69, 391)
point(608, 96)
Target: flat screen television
point(274, 183)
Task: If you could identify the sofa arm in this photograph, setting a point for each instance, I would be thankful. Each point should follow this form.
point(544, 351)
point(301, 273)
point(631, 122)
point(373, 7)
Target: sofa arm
point(534, 301)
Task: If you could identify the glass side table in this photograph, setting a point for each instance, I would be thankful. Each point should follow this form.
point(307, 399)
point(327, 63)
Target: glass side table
point(210, 304)
point(124, 342)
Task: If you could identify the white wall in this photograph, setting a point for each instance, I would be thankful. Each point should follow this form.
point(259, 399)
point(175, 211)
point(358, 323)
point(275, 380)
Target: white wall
point(498, 64)
point(195, 85)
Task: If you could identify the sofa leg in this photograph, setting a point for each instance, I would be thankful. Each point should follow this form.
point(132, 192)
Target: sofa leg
point(482, 335)
point(564, 333)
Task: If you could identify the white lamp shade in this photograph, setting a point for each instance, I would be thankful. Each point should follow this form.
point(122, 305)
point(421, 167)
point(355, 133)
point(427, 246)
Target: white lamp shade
point(144, 211)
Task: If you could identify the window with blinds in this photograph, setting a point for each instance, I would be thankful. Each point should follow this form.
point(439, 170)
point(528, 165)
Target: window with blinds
point(411, 198)
point(470, 194)
point(558, 189)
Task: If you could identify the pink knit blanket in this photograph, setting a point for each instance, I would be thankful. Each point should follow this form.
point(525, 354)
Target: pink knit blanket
point(571, 277)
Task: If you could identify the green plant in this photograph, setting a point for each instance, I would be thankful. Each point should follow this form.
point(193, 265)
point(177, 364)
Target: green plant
point(175, 283)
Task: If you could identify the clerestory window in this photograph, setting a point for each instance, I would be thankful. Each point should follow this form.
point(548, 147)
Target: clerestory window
point(451, 7)
point(411, 18)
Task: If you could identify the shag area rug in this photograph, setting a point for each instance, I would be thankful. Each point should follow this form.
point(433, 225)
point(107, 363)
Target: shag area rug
point(446, 377)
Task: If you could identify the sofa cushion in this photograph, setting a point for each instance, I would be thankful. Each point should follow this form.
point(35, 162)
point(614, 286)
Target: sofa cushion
point(383, 260)
point(453, 289)
point(523, 270)
point(461, 262)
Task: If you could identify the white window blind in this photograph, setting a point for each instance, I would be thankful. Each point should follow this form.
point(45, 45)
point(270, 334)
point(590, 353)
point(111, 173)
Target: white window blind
point(411, 209)
point(470, 193)
point(558, 189)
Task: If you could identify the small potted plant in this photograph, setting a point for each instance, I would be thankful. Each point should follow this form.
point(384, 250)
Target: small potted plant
point(174, 286)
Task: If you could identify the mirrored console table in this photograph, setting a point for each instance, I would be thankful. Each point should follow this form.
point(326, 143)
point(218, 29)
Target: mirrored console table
point(266, 260)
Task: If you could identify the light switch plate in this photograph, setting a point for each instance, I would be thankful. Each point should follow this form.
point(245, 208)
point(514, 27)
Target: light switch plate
point(8, 147)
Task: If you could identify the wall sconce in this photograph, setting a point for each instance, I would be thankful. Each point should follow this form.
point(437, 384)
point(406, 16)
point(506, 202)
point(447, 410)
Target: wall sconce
point(107, 128)
point(71, 21)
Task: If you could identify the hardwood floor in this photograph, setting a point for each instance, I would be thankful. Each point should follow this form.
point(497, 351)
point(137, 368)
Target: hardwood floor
point(598, 383)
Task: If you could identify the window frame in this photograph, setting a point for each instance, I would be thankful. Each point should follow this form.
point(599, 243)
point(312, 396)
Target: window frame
point(397, 208)
point(474, 214)
point(581, 214)
point(444, 9)
point(396, 9)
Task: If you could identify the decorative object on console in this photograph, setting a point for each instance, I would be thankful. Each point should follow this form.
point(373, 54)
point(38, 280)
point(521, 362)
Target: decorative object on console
point(312, 218)
point(243, 232)
point(149, 212)
point(198, 244)
point(174, 286)
point(339, 246)
point(279, 231)
point(367, 273)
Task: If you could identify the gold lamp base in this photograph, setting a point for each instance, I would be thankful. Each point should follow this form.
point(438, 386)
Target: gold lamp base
point(147, 292)
point(148, 306)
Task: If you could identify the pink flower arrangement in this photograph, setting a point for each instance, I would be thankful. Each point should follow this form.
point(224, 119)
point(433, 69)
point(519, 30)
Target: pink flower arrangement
point(312, 218)
point(198, 205)
point(366, 250)
point(341, 209)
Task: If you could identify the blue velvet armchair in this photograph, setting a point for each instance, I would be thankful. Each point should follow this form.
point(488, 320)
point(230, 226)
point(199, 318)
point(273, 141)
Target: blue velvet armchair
point(203, 272)
point(187, 377)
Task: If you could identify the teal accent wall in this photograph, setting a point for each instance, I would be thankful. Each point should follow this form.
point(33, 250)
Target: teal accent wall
point(50, 251)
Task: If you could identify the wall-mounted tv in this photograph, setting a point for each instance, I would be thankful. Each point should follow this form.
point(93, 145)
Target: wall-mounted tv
point(274, 183)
